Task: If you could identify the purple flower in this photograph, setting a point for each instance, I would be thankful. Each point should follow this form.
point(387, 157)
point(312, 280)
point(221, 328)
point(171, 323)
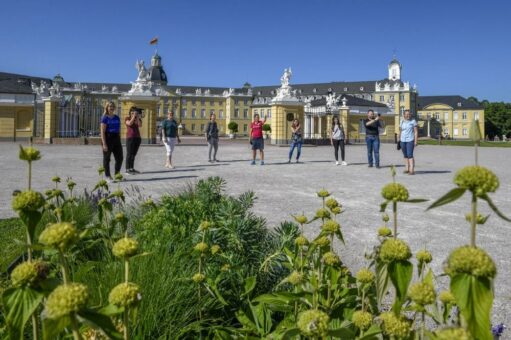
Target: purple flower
point(497, 330)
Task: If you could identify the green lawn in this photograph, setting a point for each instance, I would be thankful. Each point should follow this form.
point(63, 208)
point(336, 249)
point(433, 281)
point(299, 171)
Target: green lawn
point(11, 230)
point(465, 143)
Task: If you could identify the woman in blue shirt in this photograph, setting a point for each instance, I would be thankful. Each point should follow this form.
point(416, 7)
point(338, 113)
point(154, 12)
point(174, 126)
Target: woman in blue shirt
point(111, 139)
point(408, 135)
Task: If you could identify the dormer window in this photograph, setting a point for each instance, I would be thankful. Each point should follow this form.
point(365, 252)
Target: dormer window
point(345, 89)
point(258, 93)
point(314, 90)
point(361, 88)
point(330, 89)
point(459, 104)
point(272, 92)
point(300, 91)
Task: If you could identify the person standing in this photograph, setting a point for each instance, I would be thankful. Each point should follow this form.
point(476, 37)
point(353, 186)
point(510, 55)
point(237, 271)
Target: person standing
point(408, 137)
point(133, 124)
point(212, 137)
point(256, 138)
point(372, 125)
point(110, 128)
point(296, 140)
point(170, 137)
point(337, 137)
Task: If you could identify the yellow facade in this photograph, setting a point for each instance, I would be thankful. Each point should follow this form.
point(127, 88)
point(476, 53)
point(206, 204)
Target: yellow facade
point(450, 122)
point(16, 122)
point(282, 117)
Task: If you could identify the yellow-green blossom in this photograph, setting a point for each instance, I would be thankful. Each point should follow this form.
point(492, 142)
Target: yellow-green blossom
point(201, 247)
point(225, 268)
point(422, 293)
point(453, 334)
point(394, 250)
point(70, 184)
point(121, 218)
point(362, 320)
point(125, 248)
point(301, 241)
point(118, 177)
point(395, 192)
point(101, 170)
point(470, 260)
point(330, 227)
point(301, 219)
point(215, 249)
point(477, 179)
point(313, 323)
point(384, 232)
point(66, 299)
point(55, 179)
point(59, 235)
point(29, 154)
point(322, 213)
point(398, 327)
point(322, 241)
point(385, 218)
point(336, 210)
point(125, 295)
point(480, 219)
point(365, 276)
point(295, 278)
point(323, 193)
point(24, 274)
point(331, 203)
point(28, 201)
point(424, 256)
point(198, 278)
point(331, 259)
point(446, 297)
point(205, 225)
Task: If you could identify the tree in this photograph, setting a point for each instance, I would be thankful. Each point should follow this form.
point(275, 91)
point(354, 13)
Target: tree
point(233, 127)
point(497, 119)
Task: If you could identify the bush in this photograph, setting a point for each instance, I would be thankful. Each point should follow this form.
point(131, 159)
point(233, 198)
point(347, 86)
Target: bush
point(267, 128)
point(233, 127)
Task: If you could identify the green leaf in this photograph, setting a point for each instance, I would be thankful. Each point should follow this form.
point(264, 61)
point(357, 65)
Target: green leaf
point(383, 206)
point(52, 328)
point(382, 281)
point(342, 333)
point(474, 297)
point(291, 334)
point(451, 196)
point(494, 208)
point(245, 321)
point(20, 304)
point(250, 283)
point(400, 273)
point(99, 321)
point(417, 200)
point(30, 219)
point(111, 310)
point(372, 333)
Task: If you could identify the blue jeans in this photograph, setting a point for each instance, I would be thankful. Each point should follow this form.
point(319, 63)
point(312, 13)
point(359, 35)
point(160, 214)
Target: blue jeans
point(407, 148)
point(294, 145)
point(373, 145)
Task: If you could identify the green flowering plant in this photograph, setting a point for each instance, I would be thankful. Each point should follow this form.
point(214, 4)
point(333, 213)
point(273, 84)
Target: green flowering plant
point(29, 154)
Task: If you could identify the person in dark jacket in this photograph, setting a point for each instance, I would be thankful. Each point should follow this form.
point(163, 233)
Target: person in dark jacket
point(212, 137)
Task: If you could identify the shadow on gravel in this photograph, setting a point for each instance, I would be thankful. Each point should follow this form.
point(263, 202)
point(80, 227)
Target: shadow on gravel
point(154, 179)
point(168, 171)
point(426, 172)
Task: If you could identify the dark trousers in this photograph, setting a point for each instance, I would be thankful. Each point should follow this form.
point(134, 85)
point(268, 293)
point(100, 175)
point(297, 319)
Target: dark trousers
point(132, 145)
point(373, 146)
point(113, 143)
point(338, 143)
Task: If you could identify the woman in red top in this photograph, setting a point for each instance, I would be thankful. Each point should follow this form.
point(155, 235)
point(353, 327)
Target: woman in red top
point(256, 138)
point(133, 123)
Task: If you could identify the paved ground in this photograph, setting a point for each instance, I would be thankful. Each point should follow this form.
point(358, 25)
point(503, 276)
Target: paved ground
point(284, 189)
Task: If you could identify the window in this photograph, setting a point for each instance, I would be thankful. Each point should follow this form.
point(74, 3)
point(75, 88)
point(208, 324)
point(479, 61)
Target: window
point(455, 132)
point(465, 132)
point(211, 102)
point(193, 101)
point(211, 112)
point(402, 97)
point(245, 113)
point(203, 101)
point(220, 114)
point(194, 111)
point(314, 90)
point(361, 88)
point(361, 128)
point(236, 101)
point(476, 115)
point(202, 127)
point(437, 115)
point(446, 115)
point(183, 113)
point(391, 97)
point(255, 112)
point(220, 102)
point(464, 116)
point(184, 101)
point(382, 98)
point(244, 127)
point(23, 120)
point(446, 131)
point(193, 127)
point(345, 89)
point(236, 113)
point(268, 113)
point(245, 101)
point(455, 116)
point(203, 113)
point(459, 104)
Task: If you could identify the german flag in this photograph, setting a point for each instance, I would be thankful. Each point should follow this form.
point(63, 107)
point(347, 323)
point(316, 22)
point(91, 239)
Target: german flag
point(153, 41)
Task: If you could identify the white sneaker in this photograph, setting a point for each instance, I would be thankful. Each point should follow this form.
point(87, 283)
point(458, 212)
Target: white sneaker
point(171, 166)
point(344, 163)
point(336, 163)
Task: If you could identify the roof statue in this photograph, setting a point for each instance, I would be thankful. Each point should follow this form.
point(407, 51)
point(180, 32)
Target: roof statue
point(284, 92)
point(142, 71)
point(284, 80)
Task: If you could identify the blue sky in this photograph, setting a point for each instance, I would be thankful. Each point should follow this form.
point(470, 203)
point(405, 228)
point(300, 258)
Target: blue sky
point(445, 47)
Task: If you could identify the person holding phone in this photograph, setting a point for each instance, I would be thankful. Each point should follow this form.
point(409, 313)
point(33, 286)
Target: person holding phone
point(372, 125)
point(256, 138)
point(110, 128)
point(170, 137)
point(133, 124)
point(296, 140)
point(408, 136)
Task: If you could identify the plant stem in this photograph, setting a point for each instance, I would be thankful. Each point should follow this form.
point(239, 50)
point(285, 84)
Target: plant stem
point(126, 323)
point(423, 326)
point(126, 270)
point(394, 212)
point(29, 243)
point(63, 266)
point(363, 298)
point(35, 327)
point(473, 220)
point(74, 326)
point(29, 175)
point(477, 152)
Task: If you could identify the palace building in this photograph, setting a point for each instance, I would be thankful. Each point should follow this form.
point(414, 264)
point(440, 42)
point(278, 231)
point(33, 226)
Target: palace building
point(58, 111)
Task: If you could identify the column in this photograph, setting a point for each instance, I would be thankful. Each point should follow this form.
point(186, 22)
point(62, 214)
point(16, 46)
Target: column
point(51, 111)
point(320, 127)
point(313, 127)
point(307, 126)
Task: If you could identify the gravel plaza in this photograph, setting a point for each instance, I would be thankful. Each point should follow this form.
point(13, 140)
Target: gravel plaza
point(284, 189)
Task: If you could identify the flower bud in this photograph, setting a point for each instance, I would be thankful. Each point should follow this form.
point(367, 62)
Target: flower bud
point(331, 203)
point(301, 241)
point(24, 274)
point(330, 227)
point(66, 299)
point(59, 235)
point(331, 259)
point(201, 247)
point(313, 323)
point(365, 276)
point(301, 219)
point(385, 218)
point(55, 179)
point(422, 293)
point(394, 250)
point(477, 179)
point(470, 260)
point(215, 249)
point(395, 192)
point(295, 278)
point(322, 241)
point(125, 248)
point(398, 327)
point(446, 297)
point(125, 295)
point(424, 256)
point(198, 278)
point(205, 225)
point(28, 201)
point(323, 193)
point(322, 213)
point(384, 232)
point(362, 320)
point(29, 154)
point(452, 333)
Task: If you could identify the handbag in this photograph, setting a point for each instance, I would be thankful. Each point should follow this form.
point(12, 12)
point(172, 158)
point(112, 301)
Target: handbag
point(399, 145)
